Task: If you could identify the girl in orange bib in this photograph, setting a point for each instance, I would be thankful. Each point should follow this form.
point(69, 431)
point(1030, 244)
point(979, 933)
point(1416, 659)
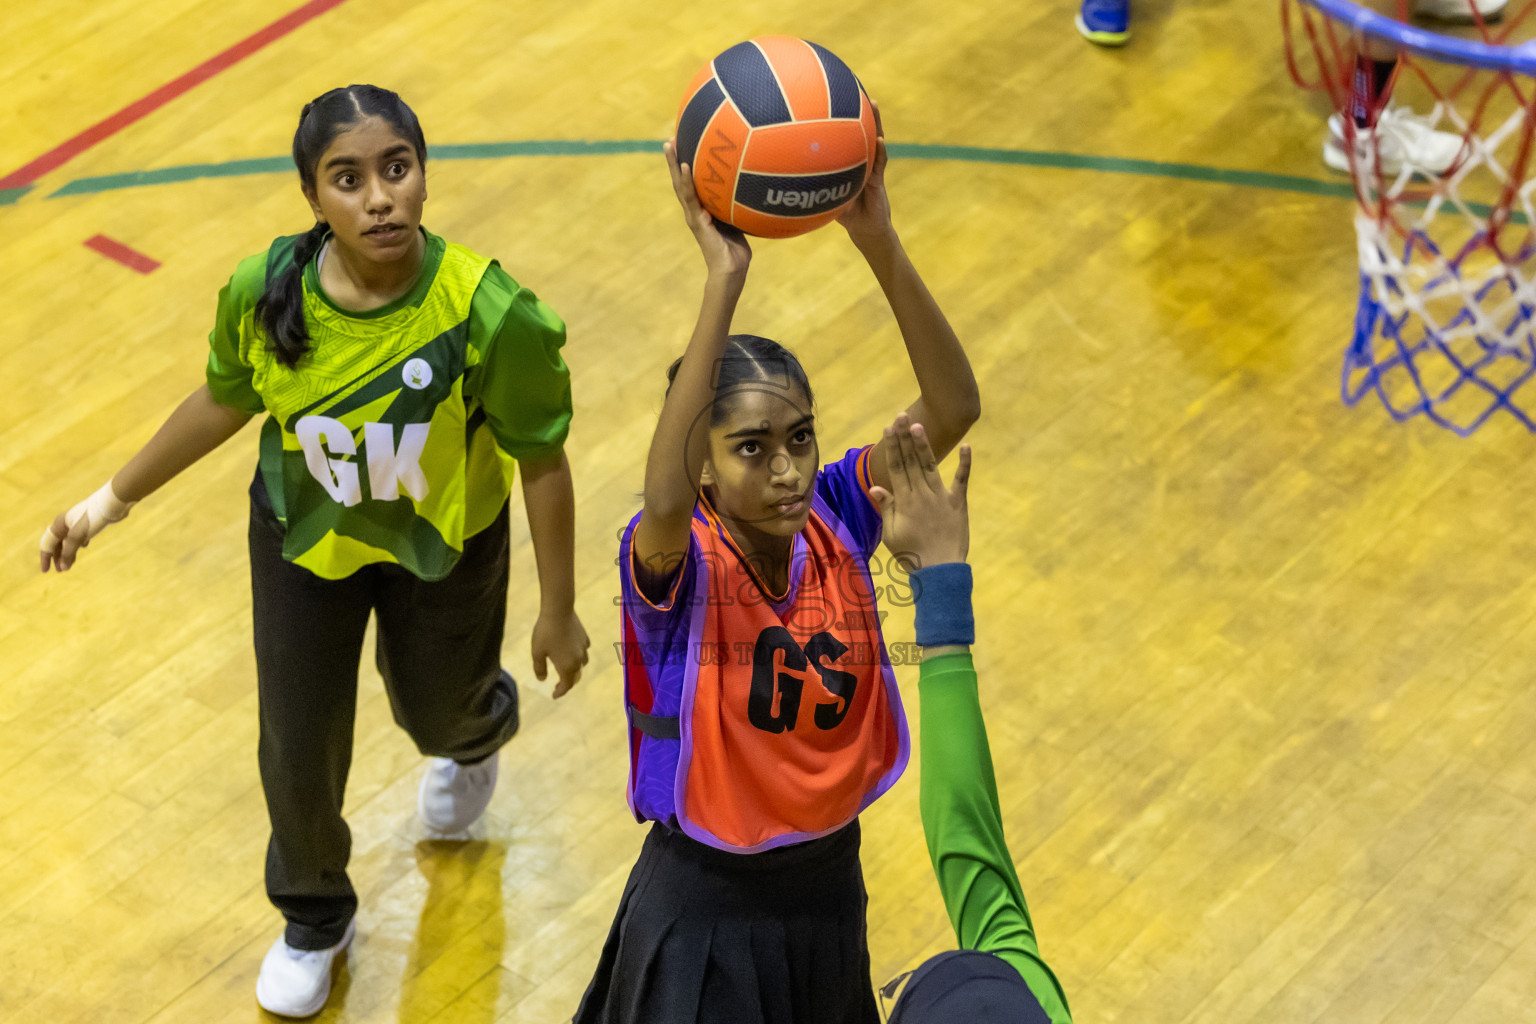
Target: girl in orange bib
point(763, 711)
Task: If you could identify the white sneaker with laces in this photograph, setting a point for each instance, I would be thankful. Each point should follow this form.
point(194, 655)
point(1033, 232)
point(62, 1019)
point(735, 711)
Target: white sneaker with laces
point(453, 795)
point(1403, 137)
point(297, 982)
point(1459, 11)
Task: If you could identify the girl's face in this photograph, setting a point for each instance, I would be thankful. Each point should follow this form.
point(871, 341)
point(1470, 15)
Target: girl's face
point(370, 187)
point(763, 459)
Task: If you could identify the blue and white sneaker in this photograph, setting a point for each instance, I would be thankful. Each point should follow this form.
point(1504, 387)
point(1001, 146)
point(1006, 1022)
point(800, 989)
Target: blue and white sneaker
point(1105, 22)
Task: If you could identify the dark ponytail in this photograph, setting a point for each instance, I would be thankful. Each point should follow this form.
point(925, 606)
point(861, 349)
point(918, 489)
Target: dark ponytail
point(280, 310)
point(748, 358)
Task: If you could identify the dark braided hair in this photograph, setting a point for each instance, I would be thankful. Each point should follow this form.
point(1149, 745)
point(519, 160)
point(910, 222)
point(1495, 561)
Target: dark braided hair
point(748, 357)
point(280, 310)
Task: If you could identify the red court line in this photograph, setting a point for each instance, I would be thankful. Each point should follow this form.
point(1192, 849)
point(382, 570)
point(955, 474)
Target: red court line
point(104, 129)
point(115, 250)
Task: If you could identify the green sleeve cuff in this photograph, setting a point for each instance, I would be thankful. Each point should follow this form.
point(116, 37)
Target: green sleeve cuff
point(955, 663)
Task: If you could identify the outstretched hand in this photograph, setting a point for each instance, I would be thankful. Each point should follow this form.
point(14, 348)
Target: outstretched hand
point(925, 522)
point(725, 248)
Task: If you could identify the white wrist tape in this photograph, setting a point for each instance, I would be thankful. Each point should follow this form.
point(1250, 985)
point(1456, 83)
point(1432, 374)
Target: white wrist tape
point(89, 518)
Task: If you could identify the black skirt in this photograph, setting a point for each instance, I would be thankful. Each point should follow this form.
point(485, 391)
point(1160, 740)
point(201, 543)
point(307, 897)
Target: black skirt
point(707, 937)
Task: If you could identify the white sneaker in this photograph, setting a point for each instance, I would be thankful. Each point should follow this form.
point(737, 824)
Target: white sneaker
point(1460, 11)
point(1404, 138)
point(453, 796)
point(297, 982)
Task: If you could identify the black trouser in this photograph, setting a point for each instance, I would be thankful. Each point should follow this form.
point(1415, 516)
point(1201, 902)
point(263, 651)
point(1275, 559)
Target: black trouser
point(439, 651)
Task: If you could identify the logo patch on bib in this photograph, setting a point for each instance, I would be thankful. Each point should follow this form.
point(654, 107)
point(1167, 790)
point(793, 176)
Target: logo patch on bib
point(417, 374)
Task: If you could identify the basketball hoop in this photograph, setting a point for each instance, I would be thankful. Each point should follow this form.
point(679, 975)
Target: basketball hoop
point(1446, 322)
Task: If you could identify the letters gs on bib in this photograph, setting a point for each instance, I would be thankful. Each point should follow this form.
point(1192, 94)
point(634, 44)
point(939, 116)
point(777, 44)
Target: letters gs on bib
point(780, 135)
point(393, 462)
point(780, 667)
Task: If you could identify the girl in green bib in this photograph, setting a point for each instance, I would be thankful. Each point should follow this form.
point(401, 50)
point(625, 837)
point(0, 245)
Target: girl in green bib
point(405, 380)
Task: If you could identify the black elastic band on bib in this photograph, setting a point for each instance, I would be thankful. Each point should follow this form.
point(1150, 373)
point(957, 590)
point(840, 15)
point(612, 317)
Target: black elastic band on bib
point(657, 727)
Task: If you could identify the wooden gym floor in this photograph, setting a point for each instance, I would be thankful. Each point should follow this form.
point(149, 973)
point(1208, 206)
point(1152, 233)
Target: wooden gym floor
point(1257, 666)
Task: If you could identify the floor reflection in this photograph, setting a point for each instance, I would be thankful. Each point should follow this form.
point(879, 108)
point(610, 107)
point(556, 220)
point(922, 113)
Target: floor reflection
point(461, 933)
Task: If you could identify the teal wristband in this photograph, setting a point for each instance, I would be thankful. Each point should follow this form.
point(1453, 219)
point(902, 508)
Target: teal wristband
point(943, 597)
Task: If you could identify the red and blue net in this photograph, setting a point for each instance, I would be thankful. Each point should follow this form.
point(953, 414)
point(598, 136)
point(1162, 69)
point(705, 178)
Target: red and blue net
point(1444, 324)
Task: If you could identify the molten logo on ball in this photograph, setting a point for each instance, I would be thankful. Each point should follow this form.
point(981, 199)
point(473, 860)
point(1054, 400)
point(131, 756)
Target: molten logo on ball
point(808, 199)
point(780, 133)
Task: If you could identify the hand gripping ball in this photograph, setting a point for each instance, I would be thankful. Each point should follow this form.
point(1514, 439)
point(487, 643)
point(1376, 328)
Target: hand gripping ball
point(780, 136)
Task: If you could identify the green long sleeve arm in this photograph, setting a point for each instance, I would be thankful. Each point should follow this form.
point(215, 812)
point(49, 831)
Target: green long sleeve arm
point(964, 828)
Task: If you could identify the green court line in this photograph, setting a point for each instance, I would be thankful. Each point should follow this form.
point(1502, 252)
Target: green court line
point(900, 150)
point(1125, 165)
point(171, 175)
point(557, 147)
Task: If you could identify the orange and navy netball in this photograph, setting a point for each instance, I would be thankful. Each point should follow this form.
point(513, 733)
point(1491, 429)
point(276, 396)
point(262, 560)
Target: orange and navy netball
point(780, 135)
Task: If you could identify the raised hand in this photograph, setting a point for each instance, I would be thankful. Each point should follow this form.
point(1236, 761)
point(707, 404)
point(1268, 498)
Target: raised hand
point(725, 248)
point(868, 217)
point(925, 522)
